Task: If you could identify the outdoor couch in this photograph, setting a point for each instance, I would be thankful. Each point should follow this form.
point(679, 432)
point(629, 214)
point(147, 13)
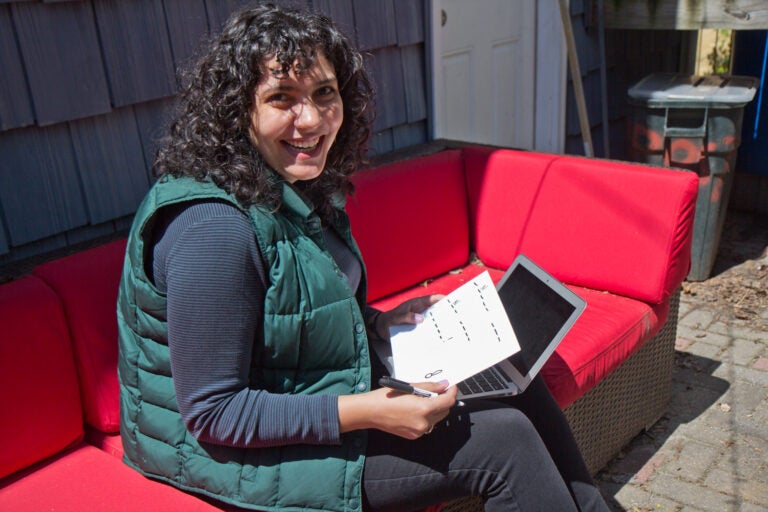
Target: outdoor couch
point(618, 234)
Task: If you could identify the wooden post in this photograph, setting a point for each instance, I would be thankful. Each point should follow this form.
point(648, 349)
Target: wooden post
point(578, 88)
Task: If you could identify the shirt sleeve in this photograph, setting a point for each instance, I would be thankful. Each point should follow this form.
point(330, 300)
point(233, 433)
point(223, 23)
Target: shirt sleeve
point(208, 260)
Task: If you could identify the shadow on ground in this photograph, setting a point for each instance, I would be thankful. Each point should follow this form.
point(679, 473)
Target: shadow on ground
point(694, 391)
point(744, 237)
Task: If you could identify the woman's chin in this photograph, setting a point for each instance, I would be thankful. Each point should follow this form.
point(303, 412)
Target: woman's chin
point(302, 171)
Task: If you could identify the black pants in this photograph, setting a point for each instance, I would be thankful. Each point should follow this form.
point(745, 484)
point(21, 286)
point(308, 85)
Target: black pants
point(517, 453)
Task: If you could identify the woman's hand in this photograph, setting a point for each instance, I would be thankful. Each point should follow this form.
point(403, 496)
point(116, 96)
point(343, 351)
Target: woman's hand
point(409, 312)
point(398, 413)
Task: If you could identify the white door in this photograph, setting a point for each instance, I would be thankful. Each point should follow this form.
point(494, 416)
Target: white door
point(485, 67)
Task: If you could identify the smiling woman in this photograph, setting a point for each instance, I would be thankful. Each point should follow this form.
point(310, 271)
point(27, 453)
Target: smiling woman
point(210, 136)
point(244, 365)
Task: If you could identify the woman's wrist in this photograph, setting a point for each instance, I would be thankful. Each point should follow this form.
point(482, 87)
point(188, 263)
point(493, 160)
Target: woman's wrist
point(374, 325)
point(354, 413)
point(377, 326)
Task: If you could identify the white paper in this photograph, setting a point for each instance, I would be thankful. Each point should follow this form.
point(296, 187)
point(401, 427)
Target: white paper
point(463, 334)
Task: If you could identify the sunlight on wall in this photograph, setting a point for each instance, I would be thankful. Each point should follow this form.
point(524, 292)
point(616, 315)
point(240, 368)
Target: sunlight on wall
point(713, 52)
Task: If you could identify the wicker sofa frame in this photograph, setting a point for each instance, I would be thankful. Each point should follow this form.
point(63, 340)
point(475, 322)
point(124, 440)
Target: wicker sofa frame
point(631, 399)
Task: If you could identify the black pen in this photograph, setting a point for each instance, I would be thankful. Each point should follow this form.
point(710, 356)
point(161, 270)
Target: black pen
point(404, 387)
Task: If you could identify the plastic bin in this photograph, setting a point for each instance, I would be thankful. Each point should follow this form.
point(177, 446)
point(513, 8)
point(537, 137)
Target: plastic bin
point(694, 123)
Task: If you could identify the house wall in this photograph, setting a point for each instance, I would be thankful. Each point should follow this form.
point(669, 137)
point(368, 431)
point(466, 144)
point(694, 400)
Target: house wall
point(750, 183)
point(85, 85)
point(630, 55)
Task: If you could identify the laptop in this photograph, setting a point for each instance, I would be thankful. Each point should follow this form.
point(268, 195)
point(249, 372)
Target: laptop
point(541, 310)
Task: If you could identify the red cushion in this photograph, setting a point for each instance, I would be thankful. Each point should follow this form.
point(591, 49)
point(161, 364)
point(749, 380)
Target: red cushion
point(39, 396)
point(584, 219)
point(502, 186)
point(610, 330)
point(441, 285)
point(87, 282)
point(410, 220)
point(88, 479)
point(622, 228)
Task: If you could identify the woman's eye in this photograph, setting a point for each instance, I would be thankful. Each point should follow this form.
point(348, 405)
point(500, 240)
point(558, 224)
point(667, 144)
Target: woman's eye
point(326, 93)
point(279, 99)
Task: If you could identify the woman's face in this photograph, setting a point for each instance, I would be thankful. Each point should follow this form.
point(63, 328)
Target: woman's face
point(295, 118)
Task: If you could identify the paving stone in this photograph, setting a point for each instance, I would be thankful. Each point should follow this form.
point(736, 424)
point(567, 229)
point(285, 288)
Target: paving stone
point(731, 426)
point(694, 391)
point(751, 507)
point(702, 369)
point(748, 490)
point(691, 332)
point(685, 307)
point(762, 474)
point(721, 416)
point(743, 398)
point(692, 494)
point(760, 416)
point(747, 458)
point(735, 330)
point(632, 460)
point(688, 333)
point(719, 340)
point(742, 351)
point(698, 318)
point(761, 364)
point(713, 435)
point(636, 498)
point(693, 461)
point(681, 344)
point(703, 348)
point(732, 372)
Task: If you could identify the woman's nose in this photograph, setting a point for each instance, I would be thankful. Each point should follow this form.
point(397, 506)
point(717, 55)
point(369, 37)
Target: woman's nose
point(307, 114)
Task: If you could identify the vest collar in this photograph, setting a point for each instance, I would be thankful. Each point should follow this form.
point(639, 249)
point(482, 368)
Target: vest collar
point(297, 205)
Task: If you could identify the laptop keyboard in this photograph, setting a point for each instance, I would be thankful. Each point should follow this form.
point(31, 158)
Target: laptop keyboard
point(483, 382)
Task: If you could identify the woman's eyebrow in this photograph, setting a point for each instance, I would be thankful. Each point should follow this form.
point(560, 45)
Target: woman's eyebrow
point(328, 81)
point(282, 87)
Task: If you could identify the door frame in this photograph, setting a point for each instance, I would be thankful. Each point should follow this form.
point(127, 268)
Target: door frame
point(550, 82)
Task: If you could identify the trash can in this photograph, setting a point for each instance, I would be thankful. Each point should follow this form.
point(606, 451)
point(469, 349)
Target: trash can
point(694, 123)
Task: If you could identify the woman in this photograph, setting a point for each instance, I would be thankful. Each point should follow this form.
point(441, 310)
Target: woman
point(244, 365)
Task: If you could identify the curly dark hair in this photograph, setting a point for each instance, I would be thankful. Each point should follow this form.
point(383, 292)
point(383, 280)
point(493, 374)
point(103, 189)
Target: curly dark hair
point(208, 137)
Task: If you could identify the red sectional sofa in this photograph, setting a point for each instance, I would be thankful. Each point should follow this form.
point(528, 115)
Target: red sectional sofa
point(618, 234)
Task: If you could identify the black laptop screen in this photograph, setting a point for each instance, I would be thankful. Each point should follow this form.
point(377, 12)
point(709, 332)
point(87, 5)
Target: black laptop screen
point(536, 312)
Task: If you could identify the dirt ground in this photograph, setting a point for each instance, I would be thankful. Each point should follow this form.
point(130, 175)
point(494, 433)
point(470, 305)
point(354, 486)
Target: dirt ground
point(738, 284)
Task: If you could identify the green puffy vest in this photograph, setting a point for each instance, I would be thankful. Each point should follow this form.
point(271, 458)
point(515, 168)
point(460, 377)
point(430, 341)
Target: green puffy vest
point(314, 341)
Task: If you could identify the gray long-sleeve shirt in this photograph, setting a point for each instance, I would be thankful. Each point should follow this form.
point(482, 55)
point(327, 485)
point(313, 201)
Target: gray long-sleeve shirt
point(206, 259)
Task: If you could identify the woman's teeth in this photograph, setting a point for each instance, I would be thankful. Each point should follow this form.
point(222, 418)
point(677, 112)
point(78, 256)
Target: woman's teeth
point(304, 145)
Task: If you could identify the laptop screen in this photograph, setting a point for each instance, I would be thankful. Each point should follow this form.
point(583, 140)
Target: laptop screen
point(537, 313)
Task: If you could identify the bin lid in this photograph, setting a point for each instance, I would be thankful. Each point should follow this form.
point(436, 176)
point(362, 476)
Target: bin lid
point(681, 90)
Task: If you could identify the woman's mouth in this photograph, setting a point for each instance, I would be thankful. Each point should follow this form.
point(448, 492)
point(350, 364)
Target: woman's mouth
point(306, 146)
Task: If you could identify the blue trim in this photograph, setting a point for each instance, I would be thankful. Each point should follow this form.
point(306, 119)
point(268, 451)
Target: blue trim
point(762, 87)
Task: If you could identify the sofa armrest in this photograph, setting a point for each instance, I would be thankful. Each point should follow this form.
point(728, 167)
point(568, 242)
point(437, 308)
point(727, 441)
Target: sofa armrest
point(39, 393)
point(87, 284)
point(613, 226)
